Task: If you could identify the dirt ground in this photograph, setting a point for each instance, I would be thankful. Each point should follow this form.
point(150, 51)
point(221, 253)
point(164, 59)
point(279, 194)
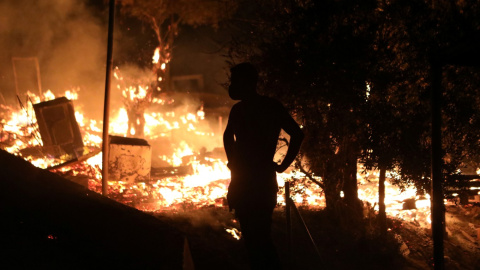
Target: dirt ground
point(406, 246)
point(461, 245)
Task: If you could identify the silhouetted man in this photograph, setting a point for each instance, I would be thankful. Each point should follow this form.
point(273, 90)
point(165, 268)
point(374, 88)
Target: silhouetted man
point(250, 141)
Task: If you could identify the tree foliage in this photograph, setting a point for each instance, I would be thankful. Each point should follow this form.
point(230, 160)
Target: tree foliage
point(313, 58)
point(409, 34)
point(357, 77)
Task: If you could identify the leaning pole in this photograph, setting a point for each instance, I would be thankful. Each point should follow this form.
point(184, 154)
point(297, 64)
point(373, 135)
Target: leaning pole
point(106, 105)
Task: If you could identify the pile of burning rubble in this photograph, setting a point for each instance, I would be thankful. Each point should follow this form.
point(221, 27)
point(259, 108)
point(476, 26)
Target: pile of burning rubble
point(51, 134)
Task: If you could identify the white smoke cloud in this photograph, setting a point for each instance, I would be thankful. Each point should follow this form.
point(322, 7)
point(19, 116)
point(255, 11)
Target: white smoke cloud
point(67, 37)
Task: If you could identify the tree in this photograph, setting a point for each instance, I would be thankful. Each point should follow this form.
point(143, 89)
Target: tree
point(400, 140)
point(409, 32)
point(313, 57)
point(397, 105)
point(309, 62)
point(320, 59)
point(165, 18)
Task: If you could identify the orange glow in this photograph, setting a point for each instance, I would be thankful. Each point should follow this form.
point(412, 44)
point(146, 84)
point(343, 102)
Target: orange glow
point(184, 131)
point(156, 56)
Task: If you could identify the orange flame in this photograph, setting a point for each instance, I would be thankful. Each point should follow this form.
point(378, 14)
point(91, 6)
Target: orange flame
point(206, 184)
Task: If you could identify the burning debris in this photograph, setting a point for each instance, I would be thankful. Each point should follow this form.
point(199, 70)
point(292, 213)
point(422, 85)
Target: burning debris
point(58, 127)
point(181, 177)
point(169, 170)
point(182, 171)
point(129, 160)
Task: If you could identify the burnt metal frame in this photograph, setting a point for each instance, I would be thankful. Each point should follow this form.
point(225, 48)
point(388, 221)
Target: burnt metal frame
point(37, 68)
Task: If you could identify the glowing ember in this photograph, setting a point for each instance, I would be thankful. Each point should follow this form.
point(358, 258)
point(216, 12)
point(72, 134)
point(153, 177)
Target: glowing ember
point(394, 199)
point(235, 233)
point(156, 56)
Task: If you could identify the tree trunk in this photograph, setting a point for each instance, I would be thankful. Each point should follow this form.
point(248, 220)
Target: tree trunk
point(350, 186)
point(331, 181)
point(162, 67)
point(332, 196)
point(136, 122)
point(382, 215)
point(162, 71)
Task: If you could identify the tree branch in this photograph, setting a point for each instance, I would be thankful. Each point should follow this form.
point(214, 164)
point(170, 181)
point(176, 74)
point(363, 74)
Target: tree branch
point(310, 177)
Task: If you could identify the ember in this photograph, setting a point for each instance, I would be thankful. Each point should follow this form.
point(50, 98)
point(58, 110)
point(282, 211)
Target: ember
point(235, 233)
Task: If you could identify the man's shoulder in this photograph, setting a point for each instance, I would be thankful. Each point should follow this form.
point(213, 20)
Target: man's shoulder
point(236, 106)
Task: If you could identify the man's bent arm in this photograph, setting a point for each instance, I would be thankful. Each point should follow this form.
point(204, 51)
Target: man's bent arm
point(296, 137)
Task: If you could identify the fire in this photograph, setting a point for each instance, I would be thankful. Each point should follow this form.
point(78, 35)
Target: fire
point(206, 178)
point(235, 233)
point(394, 200)
point(156, 56)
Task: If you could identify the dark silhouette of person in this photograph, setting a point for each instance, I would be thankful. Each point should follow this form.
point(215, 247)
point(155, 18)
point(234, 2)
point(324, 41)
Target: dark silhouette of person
point(250, 141)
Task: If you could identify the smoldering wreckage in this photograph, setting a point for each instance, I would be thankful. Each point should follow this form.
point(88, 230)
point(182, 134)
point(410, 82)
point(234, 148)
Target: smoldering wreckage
point(71, 214)
point(61, 202)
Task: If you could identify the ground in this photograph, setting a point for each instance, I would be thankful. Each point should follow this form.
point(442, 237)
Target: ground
point(407, 245)
point(48, 222)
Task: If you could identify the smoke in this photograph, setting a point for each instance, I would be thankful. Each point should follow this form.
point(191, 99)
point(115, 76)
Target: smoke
point(69, 41)
point(205, 218)
point(68, 38)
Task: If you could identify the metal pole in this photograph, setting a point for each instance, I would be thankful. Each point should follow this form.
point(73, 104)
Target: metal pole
point(37, 70)
point(438, 207)
point(289, 224)
point(106, 106)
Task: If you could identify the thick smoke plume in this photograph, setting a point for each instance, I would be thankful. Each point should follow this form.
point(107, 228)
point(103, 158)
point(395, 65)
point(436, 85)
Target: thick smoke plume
point(67, 37)
point(69, 40)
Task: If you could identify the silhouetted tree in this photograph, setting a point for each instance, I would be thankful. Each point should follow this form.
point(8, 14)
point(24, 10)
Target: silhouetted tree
point(408, 32)
point(314, 58)
point(320, 59)
point(165, 17)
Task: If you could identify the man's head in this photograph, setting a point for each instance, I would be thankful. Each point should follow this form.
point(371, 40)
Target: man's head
point(243, 81)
